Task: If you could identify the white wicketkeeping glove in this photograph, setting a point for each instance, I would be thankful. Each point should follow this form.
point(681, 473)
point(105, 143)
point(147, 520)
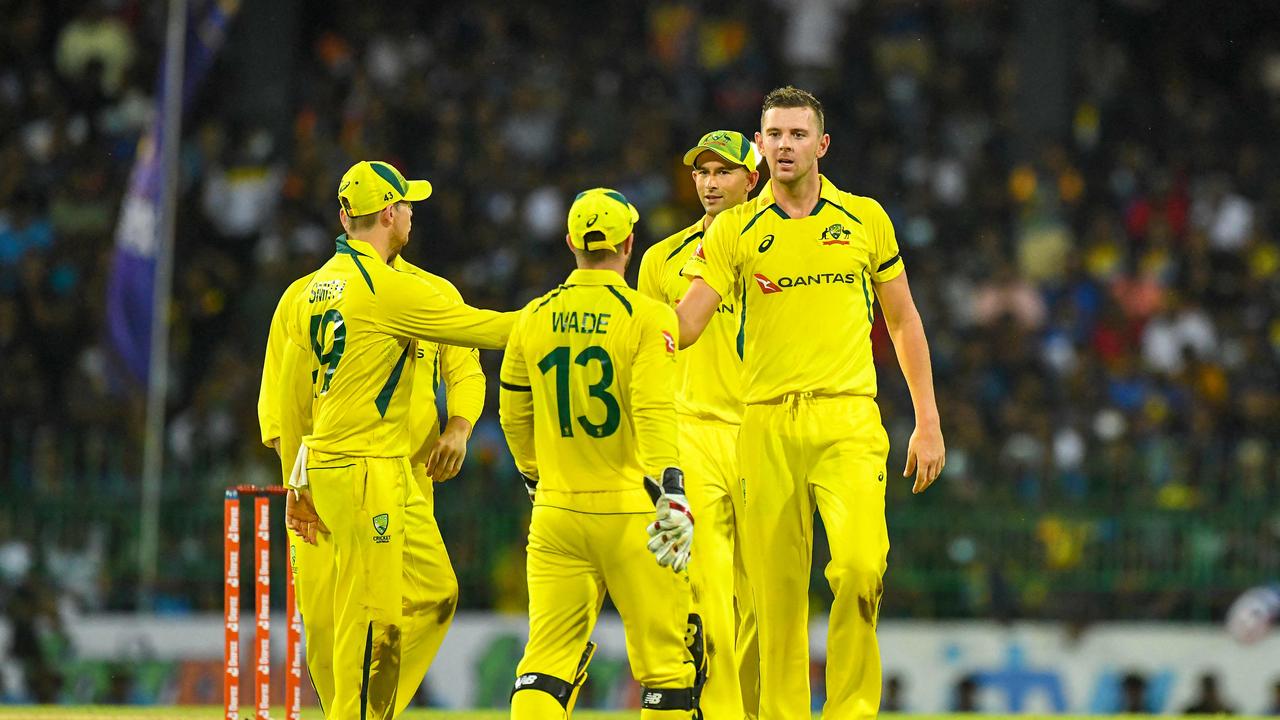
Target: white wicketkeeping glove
point(1253, 613)
point(671, 532)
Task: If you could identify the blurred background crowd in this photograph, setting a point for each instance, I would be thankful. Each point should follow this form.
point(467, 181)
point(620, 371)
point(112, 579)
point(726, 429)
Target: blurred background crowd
point(1087, 196)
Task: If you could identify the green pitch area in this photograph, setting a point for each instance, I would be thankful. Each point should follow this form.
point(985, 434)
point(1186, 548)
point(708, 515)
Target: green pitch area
point(214, 713)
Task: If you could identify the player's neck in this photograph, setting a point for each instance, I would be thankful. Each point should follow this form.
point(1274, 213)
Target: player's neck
point(799, 197)
point(618, 266)
point(381, 243)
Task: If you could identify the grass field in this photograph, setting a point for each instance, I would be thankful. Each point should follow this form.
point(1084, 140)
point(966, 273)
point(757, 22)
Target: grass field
point(213, 713)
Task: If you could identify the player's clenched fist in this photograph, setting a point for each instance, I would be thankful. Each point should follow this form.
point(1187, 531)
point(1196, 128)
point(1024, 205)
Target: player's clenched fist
point(671, 532)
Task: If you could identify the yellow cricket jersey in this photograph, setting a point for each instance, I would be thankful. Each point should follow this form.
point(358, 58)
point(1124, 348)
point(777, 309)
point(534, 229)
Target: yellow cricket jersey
point(807, 309)
point(459, 369)
point(284, 400)
point(587, 393)
point(359, 317)
point(709, 373)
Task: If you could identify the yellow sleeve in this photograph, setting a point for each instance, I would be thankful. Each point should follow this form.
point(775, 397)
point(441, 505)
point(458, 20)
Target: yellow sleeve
point(886, 264)
point(515, 405)
point(464, 382)
point(409, 306)
point(650, 280)
point(294, 398)
point(653, 390)
point(715, 260)
point(268, 392)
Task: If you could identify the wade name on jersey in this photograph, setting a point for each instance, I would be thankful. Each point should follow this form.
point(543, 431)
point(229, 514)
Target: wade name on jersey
point(585, 323)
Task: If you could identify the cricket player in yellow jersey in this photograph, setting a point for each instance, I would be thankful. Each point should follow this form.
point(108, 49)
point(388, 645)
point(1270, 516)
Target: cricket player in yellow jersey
point(361, 318)
point(812, 258)
point(588, 408)
point(284, 414)
point(709, 407)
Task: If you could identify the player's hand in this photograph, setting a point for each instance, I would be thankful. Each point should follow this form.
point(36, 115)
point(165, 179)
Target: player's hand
point(926, 456)
point(449, 451)
point(530, 486)
point(301, 517)
point(671, 532)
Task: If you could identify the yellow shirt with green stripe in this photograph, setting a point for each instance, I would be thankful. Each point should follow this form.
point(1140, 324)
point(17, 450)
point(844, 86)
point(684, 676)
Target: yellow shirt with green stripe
point(360, 318)
point(809, 296)
point(709, 373)
point(284, 401)
point(587, 393)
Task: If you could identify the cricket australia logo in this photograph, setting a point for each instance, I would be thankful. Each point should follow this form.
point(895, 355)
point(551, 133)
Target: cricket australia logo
point(380, 523)
point(836, 235)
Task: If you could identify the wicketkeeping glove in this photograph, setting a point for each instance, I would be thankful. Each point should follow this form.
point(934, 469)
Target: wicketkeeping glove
point(671, 532)
point(530, 485)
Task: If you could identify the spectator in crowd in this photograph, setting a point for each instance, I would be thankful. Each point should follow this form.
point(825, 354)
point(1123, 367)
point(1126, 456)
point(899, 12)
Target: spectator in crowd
point(1209, 701)
point(965, 695)
point(1133, 689)
point(892, 701)
point(1104, 309)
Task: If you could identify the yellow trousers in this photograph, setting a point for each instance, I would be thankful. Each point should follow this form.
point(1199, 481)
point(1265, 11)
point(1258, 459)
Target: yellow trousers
point(798, 455)
point(721, 597)
point(375, 610)
point(574, 558)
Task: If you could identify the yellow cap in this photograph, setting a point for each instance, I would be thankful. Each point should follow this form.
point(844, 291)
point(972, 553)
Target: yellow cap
point(730, 145)
point(601, 210)
point(371, 185)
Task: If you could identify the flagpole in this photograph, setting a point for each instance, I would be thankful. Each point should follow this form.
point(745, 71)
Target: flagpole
point(170, 138)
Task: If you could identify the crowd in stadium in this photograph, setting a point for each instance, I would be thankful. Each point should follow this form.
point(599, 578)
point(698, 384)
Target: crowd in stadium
point(1103, 307)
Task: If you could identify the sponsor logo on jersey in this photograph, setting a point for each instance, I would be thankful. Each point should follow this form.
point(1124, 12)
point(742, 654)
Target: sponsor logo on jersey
point(380, 524)
point(653, 697)
point(698, 252)
point(526, 679)
point(817, 279)
point(767, 286)
point(670, 341)
point(836, 235)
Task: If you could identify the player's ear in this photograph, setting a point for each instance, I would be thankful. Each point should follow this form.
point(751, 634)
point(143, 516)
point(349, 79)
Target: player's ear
point(344, 220)
point(628, 243)
point(753, 177)
point(568, 240)
point(824, 144)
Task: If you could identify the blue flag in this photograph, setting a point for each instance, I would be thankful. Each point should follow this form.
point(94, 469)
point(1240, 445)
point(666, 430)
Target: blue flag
point(131, 284)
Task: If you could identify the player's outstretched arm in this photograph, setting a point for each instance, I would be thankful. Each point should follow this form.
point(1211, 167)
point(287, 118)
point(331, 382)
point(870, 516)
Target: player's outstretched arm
point(926, 454)
point(695, 310)
point(410, 307)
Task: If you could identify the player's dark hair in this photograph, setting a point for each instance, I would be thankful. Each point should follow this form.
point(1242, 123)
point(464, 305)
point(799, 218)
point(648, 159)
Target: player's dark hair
point(793, 97)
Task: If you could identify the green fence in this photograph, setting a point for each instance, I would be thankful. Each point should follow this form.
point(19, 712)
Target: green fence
point(949, 558)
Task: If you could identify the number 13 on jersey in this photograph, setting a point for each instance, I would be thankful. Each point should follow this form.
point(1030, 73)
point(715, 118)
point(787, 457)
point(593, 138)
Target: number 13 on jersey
point(558, 361)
